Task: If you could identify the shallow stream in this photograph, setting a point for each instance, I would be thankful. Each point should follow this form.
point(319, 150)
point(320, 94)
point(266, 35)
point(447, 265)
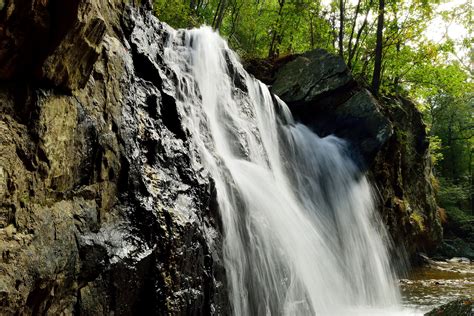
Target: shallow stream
point(438, 283)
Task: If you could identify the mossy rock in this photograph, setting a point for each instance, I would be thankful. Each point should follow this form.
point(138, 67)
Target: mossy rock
point(460, 307)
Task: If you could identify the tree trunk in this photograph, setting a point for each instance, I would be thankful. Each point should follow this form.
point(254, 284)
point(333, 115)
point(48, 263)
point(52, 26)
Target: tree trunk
point(341, 28)
point(396, 81)
point(272, 51)
point(354, 23)
point(378, 50)
point(234, 18)
point(471, 193)
point(217, 21)
point(332, 21)
point(354, 49)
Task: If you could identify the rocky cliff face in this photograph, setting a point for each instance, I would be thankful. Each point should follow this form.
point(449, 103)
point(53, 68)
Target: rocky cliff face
point(387, 136)
point(103, 207)
point(402, 172)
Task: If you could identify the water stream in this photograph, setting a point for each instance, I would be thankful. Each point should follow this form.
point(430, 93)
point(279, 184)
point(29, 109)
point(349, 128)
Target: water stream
point(301, 233)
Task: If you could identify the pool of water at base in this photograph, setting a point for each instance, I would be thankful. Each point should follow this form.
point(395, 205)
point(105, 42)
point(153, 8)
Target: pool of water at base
point(437, 283)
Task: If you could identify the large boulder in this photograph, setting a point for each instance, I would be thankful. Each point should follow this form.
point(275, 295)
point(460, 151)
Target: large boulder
point(312, 76)
point(387, 137)
point(320, 91)
point(104, 205)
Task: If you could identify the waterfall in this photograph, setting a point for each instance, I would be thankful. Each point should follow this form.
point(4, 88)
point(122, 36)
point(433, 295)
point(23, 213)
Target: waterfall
point(301, 233)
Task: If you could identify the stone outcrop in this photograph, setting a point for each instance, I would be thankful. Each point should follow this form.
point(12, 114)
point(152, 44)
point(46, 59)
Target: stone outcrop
point(321, 93)
point(103, 207)
point(387, 137)
point(402, 173)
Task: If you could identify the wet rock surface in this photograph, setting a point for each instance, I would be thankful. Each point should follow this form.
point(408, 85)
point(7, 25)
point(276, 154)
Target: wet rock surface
point(104, 205)
point(402, 172)
point(312, 77)
point(321, 93)
point(461, 307)
point(387, 137)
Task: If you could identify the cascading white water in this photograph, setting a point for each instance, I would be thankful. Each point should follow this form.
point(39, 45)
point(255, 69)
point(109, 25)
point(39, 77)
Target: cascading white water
point(301, 235)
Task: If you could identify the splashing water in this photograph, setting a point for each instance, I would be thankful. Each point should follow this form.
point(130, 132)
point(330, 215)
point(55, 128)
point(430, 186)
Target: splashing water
point(301, 234)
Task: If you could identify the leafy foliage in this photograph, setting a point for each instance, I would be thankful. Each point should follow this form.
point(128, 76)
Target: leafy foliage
point(451, 194)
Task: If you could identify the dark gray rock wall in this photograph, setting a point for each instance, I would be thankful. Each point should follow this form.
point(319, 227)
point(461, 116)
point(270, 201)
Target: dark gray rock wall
point(103, 209)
